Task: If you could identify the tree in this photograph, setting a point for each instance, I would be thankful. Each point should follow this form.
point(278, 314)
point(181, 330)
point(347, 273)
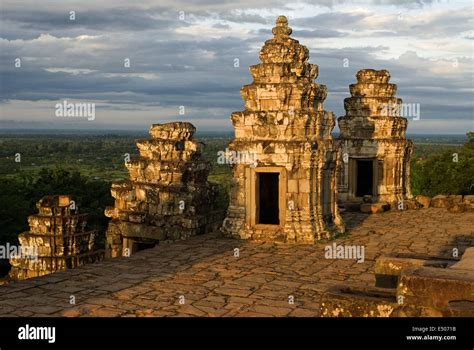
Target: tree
point(451, 172)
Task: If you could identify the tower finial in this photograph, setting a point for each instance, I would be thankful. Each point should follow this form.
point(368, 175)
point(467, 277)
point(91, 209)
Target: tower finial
point(281, 29)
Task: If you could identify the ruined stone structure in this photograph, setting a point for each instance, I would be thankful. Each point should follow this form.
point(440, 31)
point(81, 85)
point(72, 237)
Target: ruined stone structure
point(167, 196)
point(288, 190)
point(57, 240)
point(413, 286)
point(375, 151)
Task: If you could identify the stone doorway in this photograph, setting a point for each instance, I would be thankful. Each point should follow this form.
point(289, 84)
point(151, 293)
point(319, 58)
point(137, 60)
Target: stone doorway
point(365, 177)
point(327, 197)
point(268, 210)
point(132, 246)
point(266, 199)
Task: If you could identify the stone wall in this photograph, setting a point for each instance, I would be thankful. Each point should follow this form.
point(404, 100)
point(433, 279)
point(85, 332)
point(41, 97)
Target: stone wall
point(167, 196)
point(287, 132)
point(57, 240)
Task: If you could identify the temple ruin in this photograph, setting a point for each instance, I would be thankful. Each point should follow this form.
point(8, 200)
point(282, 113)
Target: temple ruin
point(375, 151)
point(57, 240)
point(287, 192)
point(167, 196)
point(408, 285)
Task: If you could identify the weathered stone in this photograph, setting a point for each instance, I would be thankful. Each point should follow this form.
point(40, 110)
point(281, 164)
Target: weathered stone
point(409, 204)
point(468, 199)
point(173, 131)
point(417, 287)
point(363, 302)
point(388, 268)
point(373, 142)
point(423, 201)
point(167, 197)
point(284, 190)
point(435, 287)
point(467, 260)
point(458, 207)
point(57, 240)
point(456, 199)
point(367, 199)
point(461, 308)
point(374, 208)
point(441, 201)
point(352, 206)
point(457, 203)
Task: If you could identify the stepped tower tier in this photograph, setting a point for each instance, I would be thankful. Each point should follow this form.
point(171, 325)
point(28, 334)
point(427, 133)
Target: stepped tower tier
point(287, 191)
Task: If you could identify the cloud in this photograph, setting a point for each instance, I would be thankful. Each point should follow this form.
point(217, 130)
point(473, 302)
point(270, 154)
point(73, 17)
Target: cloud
point(192, 62)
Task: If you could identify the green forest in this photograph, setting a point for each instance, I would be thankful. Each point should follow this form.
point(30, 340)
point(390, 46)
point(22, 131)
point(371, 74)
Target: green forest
point(32, 166)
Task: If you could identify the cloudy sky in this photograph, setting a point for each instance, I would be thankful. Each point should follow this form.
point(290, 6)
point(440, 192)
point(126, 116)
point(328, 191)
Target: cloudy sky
point(182, 53)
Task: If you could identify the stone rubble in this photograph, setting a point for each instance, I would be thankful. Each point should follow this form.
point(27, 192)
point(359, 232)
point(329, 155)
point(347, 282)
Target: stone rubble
point(409, 286)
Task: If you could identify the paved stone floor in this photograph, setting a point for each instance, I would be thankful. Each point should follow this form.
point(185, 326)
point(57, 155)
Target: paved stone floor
point(202, 277)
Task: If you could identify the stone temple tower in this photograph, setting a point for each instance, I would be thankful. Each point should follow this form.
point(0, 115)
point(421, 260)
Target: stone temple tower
point(375, 151)
point(167, 196)
point(57, 240)
point(284, 186)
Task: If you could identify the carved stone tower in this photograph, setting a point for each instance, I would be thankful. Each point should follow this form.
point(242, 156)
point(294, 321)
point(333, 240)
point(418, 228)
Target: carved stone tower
point(375, 151)
point(167, 196)
point(287, 192)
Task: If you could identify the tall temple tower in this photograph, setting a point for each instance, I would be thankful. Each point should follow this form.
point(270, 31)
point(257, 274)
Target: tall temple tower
point(375, 151)
point(287, 192)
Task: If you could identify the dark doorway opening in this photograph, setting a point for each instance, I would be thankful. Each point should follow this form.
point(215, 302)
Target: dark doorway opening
point(365, 178)
point(139, 246)
point(268, 211)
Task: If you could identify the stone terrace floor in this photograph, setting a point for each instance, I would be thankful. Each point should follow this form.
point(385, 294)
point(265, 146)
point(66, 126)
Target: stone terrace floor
point(213, 282)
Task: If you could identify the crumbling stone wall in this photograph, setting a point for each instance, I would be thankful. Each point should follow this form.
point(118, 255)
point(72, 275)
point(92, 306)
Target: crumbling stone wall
point(286, 130)
point(167, 196)
point(373, 129)
point(57, 238)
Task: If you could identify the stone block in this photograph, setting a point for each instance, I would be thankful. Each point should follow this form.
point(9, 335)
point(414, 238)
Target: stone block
point(303, 186)
point(441, 201)
point(374, 208)
point(434, 287)
point(423, 201)
point(357, 302)
point(293, 186)
point(467, 260)
point(468, 199)
point(388, 269)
